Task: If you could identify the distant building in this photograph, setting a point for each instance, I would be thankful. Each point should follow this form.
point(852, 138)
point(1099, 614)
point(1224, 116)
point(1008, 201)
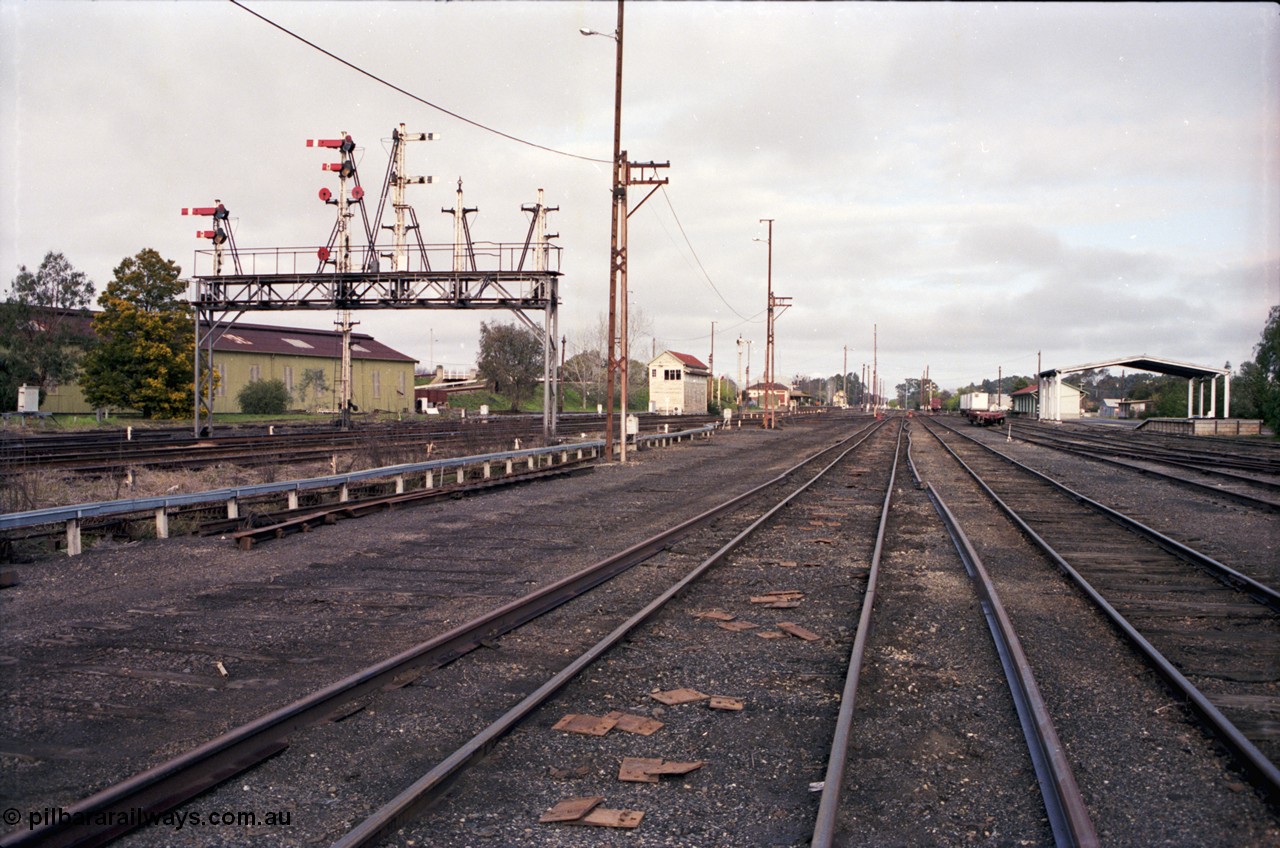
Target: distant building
point(308, 362)
point(1026, 401)
point(777, 395)
point(381, 378)
point(1109, 408)
point(797, 399)
point(678, 384)
point(1136, 408)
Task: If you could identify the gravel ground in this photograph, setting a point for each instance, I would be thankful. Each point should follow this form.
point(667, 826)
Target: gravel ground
point(110, 665)
point(111, 658)
point(1149, 775)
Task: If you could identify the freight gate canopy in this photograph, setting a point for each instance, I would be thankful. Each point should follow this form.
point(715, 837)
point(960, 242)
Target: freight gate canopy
point(1051, 383)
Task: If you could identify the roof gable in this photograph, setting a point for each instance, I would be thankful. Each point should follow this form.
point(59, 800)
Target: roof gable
point(688, 360)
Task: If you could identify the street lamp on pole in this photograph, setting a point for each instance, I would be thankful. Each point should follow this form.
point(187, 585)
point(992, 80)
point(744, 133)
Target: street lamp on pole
point(770, 357)
point(617, 253)
point(622, 178)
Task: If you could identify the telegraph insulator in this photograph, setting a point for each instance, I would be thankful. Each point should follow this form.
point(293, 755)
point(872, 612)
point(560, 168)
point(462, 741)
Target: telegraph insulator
point(357, 193)
point(334, 143)
point(199, 210)
point(323, 253)
point(219, 236)
point(325, 194)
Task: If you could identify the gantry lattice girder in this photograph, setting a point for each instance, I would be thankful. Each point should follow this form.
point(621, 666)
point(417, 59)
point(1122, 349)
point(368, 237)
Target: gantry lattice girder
point(513, 290)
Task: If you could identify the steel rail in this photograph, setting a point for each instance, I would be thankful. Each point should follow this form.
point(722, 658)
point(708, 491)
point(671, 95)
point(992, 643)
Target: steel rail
point(1197, 456)
point(1067, 812)
point(302, 519)
point(1260, 592)
point(59, 514)
point(120, 808)
point(1264, 773)
point(422, 792)
point(824, 828)
point(112, 453)
point(1112, 457)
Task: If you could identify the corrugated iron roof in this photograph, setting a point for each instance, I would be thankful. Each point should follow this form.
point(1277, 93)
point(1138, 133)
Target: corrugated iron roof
point(297, 341)
point(689, 359)
point(257, 338)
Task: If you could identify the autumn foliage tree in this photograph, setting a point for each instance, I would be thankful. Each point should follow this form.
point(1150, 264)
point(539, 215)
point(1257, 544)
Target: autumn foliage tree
point(145, 358)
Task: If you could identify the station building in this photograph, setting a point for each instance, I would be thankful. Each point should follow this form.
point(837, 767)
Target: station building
point(678, 384)
point(769, 395)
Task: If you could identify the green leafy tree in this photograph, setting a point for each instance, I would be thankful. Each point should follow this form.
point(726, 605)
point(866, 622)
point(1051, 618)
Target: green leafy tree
point(511, 358)
point(1256, 392)
point(145, 360)
point(264, 397)
point(43, 327)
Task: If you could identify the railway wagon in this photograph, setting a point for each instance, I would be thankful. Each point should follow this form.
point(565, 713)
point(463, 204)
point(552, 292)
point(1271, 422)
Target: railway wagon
point(985, 417)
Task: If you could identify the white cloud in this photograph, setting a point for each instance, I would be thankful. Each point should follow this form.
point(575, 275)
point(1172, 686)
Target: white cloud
point(981, 181)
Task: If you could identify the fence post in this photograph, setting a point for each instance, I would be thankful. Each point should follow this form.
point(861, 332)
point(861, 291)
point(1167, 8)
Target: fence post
point(73, 537)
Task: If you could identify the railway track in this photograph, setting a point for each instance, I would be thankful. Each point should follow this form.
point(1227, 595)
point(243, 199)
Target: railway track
point(104, 453)
point(160, 786)
point(1210, 631)
point(469, 745)
point(1253, 481)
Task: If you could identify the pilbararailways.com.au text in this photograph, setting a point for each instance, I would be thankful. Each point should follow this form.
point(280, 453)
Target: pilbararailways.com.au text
point(137, 817)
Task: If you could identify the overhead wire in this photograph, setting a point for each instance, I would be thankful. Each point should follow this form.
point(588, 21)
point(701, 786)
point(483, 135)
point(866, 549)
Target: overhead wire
point(413, 96)
point(710, 282)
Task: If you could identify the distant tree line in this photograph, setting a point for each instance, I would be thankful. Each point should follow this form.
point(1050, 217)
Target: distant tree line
point(139, 354)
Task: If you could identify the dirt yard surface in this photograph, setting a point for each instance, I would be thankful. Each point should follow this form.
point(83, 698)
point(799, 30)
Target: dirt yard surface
point(137, 651)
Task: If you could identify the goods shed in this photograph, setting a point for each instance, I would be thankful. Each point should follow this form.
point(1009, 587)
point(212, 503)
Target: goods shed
point(1197, 377)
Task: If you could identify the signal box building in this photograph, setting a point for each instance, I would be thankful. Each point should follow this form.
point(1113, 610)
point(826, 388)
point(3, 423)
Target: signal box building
point(678, 384)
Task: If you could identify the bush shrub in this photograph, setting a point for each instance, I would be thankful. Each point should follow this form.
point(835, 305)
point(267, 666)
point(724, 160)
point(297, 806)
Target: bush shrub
point(264, 397)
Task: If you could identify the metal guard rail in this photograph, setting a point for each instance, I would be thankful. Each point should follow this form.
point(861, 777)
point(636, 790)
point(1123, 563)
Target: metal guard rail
point(78, 512)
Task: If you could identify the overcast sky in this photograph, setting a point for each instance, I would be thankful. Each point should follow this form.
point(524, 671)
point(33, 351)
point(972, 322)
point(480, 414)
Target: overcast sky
point(981, 181)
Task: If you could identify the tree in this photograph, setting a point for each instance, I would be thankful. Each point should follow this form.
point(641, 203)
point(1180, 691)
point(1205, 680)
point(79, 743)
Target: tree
point(511, 357)
point(43, 327)
point(146, 357)
point(264, 397)
point(1257, 389)
point(315, 381)
point(584, 369)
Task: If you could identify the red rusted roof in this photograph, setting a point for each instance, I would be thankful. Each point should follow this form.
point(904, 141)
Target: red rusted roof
point(689, 359)
point(296, 341)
